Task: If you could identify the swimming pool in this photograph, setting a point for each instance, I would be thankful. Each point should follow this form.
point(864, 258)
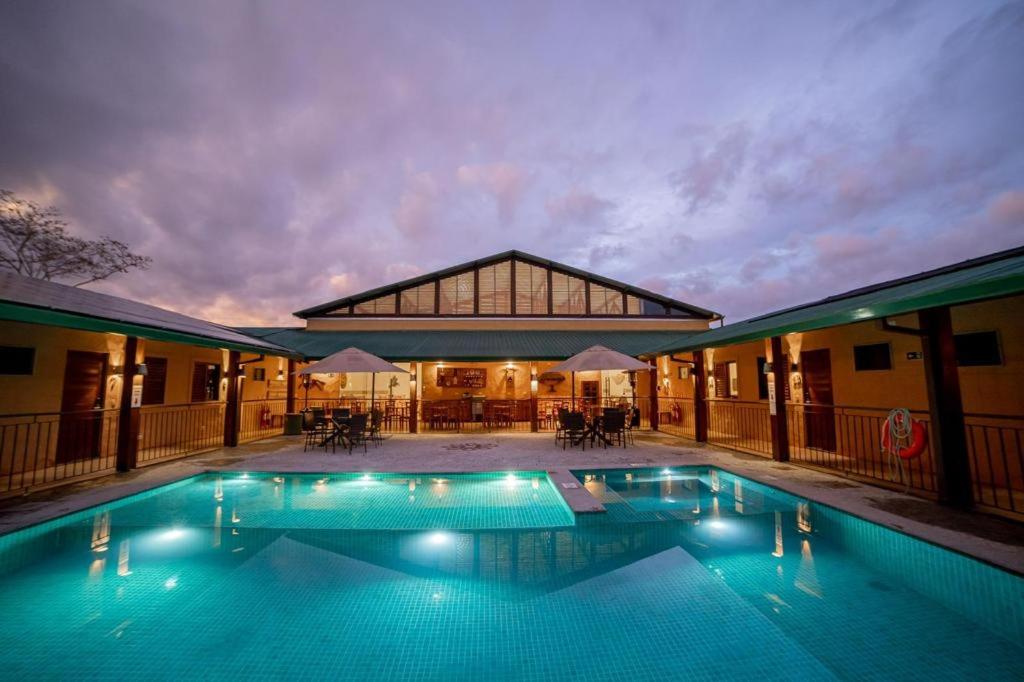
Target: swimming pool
point(691, 573)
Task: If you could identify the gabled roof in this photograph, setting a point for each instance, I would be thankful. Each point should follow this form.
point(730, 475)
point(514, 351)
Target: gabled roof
point(464, 346)
point(24, 299)
point(993, 276)
point(498, 257)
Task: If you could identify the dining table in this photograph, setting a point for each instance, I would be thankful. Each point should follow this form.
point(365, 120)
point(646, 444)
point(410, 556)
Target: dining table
point(339, 427)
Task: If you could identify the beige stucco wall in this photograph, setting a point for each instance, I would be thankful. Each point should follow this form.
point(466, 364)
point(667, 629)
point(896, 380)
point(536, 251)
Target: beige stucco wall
point(988, 390)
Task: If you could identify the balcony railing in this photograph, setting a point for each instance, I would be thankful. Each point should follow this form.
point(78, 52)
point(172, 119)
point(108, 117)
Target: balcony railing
point(39, 450)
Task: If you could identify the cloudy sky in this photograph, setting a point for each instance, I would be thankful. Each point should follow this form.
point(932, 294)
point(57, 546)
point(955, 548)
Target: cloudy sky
point(741, 156)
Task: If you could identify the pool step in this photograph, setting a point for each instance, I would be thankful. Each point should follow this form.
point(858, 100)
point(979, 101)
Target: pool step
point(575, 495)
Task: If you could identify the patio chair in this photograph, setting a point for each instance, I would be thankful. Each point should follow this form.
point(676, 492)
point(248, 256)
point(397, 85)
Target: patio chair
point(341, 413)
point(575, 426)
point(312, 429)
point(632, 424)
point(375, 422)
point(357, 432)
point(614, 427)
point(560, 424)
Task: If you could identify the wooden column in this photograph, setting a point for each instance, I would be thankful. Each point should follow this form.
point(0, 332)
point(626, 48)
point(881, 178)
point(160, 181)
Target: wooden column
point(700, 398)
point(232, 404)
point(128, 417)
point(289, 395)
point(654, 394)
point(777, 402)
point(414, 402)
point(534, 426)
point(948, 434)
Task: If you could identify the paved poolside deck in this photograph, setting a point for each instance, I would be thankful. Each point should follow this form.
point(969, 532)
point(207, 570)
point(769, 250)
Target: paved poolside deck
point(991, 539)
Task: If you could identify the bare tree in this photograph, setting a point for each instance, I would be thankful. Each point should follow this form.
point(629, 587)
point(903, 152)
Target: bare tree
point(34, 241)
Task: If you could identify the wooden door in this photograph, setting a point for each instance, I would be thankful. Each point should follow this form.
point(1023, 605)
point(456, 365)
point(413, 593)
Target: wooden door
point(820, 420)
point(81, 420)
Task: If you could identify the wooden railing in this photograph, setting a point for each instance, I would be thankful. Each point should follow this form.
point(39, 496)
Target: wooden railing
point(261, 418)
point(994, 445)
point(677, 417)
point(172, 431)
point(848, 440)
point(741, 425)
point(39, 450)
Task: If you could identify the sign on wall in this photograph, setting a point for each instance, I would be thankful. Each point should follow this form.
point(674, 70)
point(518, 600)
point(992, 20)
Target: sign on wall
point(461, 377)
point(136, 395)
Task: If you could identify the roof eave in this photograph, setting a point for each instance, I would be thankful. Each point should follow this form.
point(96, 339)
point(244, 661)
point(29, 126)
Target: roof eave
point(18, 312)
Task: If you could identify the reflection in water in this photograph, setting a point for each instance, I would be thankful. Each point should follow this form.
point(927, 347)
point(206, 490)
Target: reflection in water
point(123, 569)
point(100, 532)
point(803, 517)
point(218, 517)
point(807, 576)
point(778, 553)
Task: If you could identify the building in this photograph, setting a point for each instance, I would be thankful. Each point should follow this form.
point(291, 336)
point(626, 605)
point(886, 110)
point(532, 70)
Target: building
point(479, 338)
point(478, 341)
point(947, 344)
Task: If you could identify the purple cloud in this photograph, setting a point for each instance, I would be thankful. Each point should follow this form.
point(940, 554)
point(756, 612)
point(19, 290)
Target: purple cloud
point(271, 157)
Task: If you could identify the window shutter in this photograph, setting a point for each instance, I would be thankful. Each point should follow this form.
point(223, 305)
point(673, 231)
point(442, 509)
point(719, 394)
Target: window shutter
point(721, 380)
point(155, 381)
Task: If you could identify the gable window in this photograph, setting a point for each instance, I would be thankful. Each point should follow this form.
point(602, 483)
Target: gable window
point(154, 384)
point(457, 295)
point(568, 294)
point(384, 305)
point(418, 300)
point(259, 374)
point(605, 301)
point(978, 349)
point(872, 356)
point(15, 360)
point(496, 289)
point(205, 382)
point(531, 289)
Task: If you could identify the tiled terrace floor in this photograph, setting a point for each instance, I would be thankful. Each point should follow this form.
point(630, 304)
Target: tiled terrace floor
point(992, 539)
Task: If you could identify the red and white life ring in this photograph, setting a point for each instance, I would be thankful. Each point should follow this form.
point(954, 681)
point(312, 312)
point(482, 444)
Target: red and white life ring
point(894, 431)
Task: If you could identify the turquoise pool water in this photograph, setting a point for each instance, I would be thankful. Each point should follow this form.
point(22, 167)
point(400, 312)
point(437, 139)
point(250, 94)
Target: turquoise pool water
point(691, 574)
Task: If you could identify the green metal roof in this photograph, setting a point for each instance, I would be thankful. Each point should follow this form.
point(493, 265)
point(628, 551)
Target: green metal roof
point(24, 299)
point(469, 345)
point(992, 276)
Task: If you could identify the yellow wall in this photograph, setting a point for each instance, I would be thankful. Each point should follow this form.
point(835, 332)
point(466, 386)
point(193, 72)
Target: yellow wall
point(988, 390)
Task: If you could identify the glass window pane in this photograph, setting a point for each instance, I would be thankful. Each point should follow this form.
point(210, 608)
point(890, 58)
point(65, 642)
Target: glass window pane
point(496, 289)
point(457, 295)
point(568, 294)
point(418, 300)
point(384, 305)
point(531, 289)
point(605, 301)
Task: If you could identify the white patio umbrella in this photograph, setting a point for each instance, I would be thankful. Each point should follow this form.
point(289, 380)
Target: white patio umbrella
point(353, 361)
point(597, 358)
